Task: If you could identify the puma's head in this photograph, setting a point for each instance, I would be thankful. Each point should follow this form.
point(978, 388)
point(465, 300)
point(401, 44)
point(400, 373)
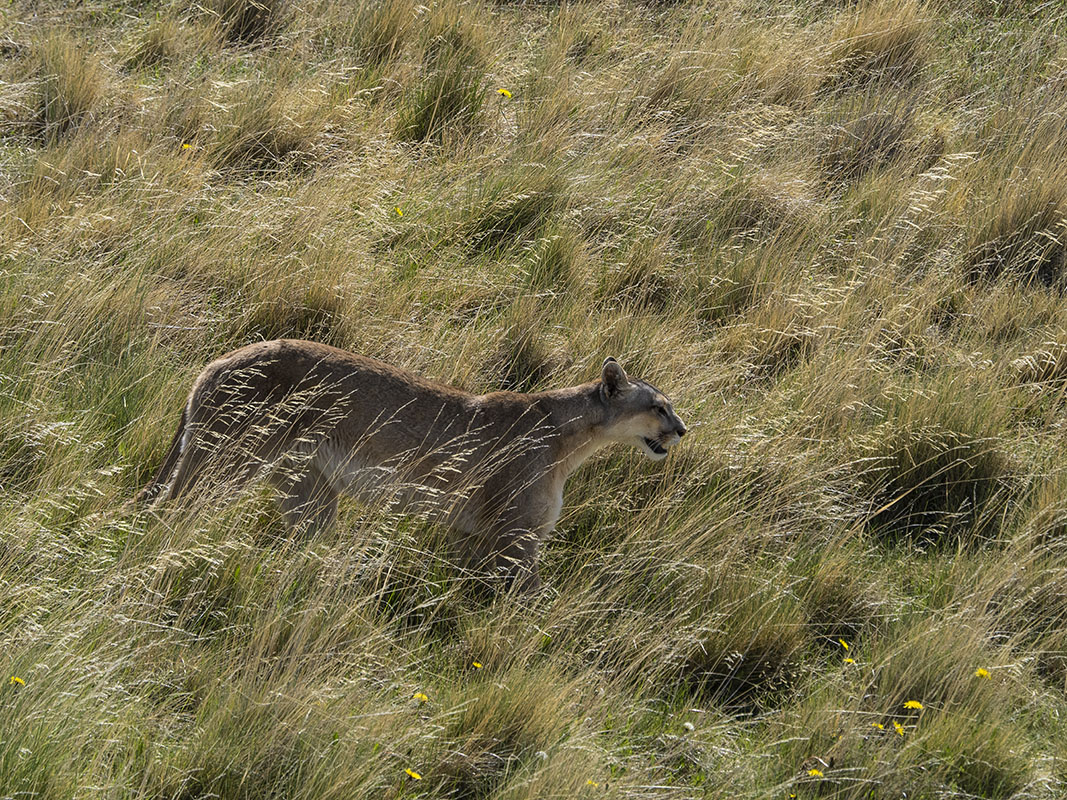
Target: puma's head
point(638, 412)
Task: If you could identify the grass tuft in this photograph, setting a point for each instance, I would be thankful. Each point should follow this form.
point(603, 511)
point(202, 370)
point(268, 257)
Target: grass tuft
point(756, 207)
point(265, 130)
point(841, 601)
point(1025, 236)
point(184, 115)
point(558, 261)
point(642, 277)
point(316, 313)
point(958, 725)
point(525, 356)
point(879, 41)
point(1044, 368)
point(770, 338)
point(70, 87)
point(156, 45)
point(451, 91)
point(22, 454)
point(247, 21)
point(742, 666)
point(861, 140)
point(515, 209)
point(500, 737)
point(381, 29)
point(936, 485)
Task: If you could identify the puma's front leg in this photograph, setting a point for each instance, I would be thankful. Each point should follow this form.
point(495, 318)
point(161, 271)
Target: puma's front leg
point(515, 560)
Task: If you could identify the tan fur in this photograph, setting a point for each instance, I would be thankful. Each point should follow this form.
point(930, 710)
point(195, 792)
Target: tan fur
point(318, 422)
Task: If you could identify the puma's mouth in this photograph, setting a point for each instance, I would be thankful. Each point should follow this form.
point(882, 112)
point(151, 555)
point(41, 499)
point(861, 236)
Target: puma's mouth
point(655, 446)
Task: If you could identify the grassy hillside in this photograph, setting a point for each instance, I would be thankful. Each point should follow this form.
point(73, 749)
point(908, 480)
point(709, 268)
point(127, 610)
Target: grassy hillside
point(833, 232)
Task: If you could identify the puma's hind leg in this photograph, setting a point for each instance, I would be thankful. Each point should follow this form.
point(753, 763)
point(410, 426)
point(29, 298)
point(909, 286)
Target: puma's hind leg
point(308, 501)
point(210, 469)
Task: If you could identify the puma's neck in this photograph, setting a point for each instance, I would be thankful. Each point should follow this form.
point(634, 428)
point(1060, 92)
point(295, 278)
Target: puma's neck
point(579, 416)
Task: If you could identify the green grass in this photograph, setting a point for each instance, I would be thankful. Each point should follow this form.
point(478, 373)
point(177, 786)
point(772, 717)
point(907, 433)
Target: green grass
point(833, 233)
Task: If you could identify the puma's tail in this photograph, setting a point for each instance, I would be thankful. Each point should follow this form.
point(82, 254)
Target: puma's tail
point(156, 486)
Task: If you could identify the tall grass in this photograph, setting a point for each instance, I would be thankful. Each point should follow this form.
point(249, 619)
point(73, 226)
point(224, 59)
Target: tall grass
point(832, 233)
point(69, 87)
point(451, 90)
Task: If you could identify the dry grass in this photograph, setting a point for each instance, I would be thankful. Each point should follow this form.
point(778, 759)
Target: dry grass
point(70, 85)
point(884, 41)
point(1024, 236)
point(245, 22)
point(833, 233)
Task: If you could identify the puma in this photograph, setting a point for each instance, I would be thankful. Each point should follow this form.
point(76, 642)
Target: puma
point(318, 422)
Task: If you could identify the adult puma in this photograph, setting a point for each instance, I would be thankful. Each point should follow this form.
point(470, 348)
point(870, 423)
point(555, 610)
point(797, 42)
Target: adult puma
point(319, 421)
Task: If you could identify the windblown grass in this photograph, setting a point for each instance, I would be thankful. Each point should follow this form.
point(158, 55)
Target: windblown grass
point(1024, 235)
point(452, 88)
point(832, 233)
point(245, 21)
point(885, 41)
point(69, 87)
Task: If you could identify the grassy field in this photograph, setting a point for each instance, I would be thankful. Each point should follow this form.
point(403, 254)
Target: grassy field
point(833, 232)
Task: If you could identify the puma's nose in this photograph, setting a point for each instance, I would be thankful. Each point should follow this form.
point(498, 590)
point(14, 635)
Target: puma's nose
point(681, 430)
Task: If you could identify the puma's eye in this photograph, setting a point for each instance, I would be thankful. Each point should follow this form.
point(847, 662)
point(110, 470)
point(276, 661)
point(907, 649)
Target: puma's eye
point(661, 411)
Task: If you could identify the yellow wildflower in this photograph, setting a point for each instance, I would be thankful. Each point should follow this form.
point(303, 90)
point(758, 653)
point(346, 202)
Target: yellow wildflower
point(850, 661)
point(420, 697)
point(592, 783)
point(399, 212)
point(982, 672)
point(878, 725)
point(814, 773)
point(843, 643)
point(476, 664)
point(16, 679)
point(413, 774)
point(504, 93)
point(914, 704)
point(186, 146)
point(899, 728)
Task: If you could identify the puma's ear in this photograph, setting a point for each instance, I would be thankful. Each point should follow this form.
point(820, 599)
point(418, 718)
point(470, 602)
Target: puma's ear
point(613, 376)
